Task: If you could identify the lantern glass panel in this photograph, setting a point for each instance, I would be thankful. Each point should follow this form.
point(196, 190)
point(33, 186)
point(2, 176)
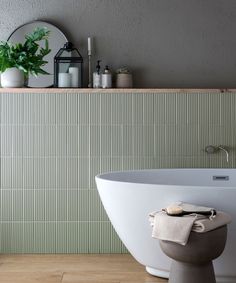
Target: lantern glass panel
point(68, 67)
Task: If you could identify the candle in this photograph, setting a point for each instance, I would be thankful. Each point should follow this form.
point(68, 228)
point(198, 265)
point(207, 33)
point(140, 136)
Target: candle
point(89, 46)
point(64, 80)
point(74, 71)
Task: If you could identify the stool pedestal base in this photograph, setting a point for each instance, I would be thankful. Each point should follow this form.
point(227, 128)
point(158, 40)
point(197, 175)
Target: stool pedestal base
point(181, 272)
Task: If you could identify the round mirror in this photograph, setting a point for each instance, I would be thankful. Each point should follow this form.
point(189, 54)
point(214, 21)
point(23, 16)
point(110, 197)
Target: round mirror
point(56, 40)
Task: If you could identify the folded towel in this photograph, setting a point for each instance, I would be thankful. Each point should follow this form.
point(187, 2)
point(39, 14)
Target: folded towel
point(172, 228)
point(206, 225)
point(177, 229)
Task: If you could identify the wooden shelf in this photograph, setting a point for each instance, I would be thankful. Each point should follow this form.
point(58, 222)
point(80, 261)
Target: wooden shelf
point(115, 90)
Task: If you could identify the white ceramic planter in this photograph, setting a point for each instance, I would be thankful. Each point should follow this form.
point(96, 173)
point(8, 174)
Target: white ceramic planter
point(12, 77)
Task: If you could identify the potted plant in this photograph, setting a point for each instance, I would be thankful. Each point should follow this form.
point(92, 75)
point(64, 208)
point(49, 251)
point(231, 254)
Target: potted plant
point(18, 61)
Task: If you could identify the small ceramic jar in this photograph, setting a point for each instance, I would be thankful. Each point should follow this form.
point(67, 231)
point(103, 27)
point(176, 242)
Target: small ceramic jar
point(124, 78)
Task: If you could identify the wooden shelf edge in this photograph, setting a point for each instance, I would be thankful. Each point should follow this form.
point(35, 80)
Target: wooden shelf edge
point(116, 90)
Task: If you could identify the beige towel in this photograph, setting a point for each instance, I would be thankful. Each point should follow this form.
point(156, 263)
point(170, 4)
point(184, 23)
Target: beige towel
point(177, 229)
point(206, 225)
point(171, 228)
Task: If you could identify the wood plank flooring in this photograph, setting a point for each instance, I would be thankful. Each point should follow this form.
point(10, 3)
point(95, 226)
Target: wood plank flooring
point(73, 269)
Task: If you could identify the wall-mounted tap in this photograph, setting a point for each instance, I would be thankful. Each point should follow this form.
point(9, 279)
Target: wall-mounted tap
point(210, 149)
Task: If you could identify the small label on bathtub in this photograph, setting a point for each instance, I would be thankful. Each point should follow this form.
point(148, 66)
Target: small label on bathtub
point(220, 178)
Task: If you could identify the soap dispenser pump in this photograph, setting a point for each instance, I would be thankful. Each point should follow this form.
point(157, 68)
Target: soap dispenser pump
point(97, 77)
point(107, 78)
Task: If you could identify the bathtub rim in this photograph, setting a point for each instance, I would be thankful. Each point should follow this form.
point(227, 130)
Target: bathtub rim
point(101, 176)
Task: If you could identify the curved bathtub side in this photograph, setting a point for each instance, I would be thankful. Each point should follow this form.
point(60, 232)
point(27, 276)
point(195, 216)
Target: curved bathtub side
point(128, 206)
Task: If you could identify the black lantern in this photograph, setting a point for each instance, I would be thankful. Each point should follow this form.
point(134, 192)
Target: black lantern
point(68, 67)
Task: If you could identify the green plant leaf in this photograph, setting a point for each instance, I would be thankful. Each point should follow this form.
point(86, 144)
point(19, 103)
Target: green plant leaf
point(27, 56)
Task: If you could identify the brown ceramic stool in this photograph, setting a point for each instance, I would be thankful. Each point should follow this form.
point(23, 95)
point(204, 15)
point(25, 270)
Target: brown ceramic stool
point(193, 262)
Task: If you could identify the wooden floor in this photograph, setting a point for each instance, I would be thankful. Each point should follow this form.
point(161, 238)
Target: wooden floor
point(73, 269)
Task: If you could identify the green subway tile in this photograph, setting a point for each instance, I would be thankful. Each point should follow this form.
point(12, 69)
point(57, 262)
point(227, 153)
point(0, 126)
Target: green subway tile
point(105, 138)
point(72, 173)
point(83, 172)
point(226, 109)
point(6, 109)
point(95, 108)
point(171, 108)
point(17, 205)
point(17, 140)
point(215, 108)
point(83, 204)
point(39, 205)
point(159, 139)
point(95, 140)
point(94, 236)
point(6, 205)
point(61, 140)
point(72, 237)
point(137, 109)
point(28, 208)
point(61, 237)
point(83, 140)
point(39, 237)
point(39, 108)
point(127, 110)
point(116, 163)
point(181, 108)
point(83, 108)
point(148, 109)
point(117, 104)
point(5, 237)
point(29, 234)
point(6, 173)
point(50, 230)
point(127, 140)
point(72, 198)
point(159, 108)
point(72, 108)
point(72, 140)
point(148, 140)
point(50, 205)
point(138, 140)
point(62, 205)
point(116, 141)
point(48, 140)
point(50, 172)
point(17, 173)
point(203, 108)
point(17, 106)
point(105, 111)
point(61, 173)
point(28, 140)
point(83, 237)
point(39, 173)
point(6, 140)
point(61, 108)
point(17, 239)
point(50, 108)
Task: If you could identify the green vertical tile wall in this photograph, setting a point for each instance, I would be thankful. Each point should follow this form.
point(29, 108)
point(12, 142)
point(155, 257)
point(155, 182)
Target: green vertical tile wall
point(53, 144)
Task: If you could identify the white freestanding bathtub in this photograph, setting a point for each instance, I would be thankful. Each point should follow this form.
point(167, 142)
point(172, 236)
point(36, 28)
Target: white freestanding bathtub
point(129, 196)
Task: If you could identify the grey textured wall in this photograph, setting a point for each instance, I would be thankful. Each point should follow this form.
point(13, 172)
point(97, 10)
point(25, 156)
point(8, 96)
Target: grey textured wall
point(167, 43)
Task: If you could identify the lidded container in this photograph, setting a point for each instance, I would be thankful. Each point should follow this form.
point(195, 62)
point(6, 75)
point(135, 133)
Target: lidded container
point(68, 67)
